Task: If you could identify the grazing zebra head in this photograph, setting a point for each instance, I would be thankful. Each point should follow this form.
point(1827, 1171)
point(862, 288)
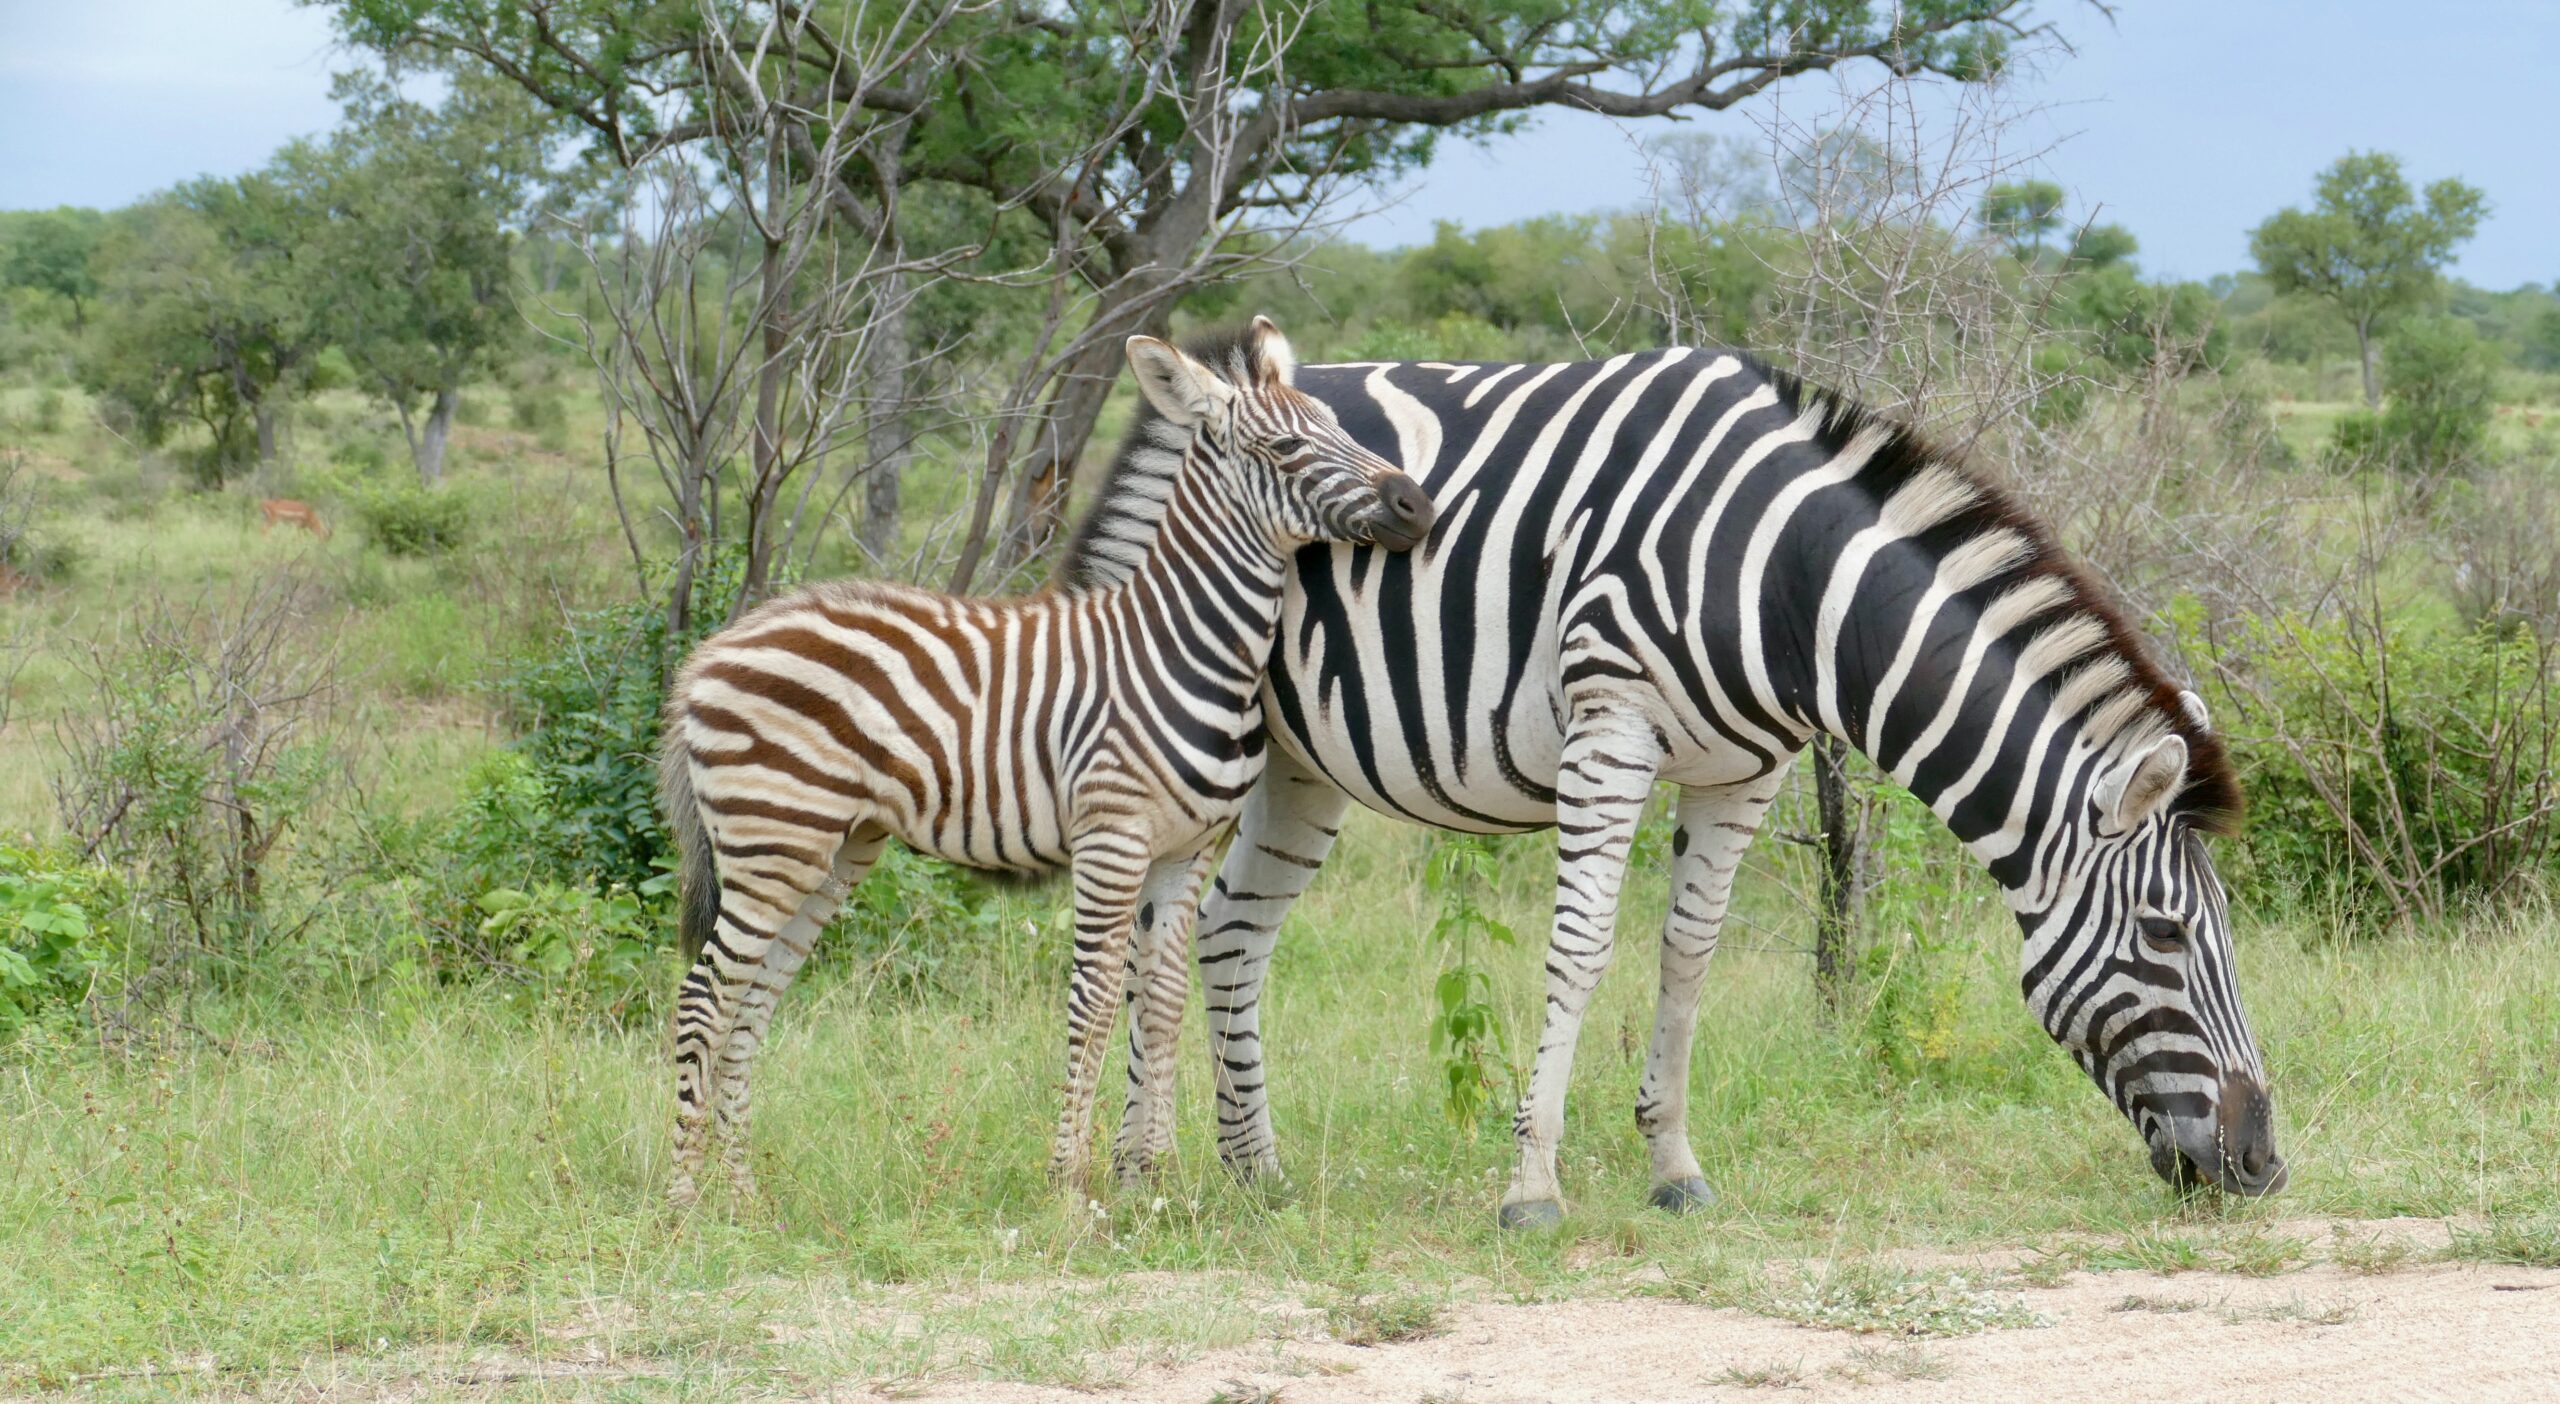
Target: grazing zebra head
point(1226, 405)
point(2129, 954)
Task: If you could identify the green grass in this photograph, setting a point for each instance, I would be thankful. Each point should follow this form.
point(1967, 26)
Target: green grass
point(429, 1169)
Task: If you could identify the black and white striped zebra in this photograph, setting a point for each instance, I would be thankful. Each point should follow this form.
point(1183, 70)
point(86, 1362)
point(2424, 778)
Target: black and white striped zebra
point(1680, 566)
point(1114, 729)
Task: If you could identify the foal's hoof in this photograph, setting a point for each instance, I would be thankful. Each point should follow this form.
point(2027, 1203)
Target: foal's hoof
point(1531, 1214)
point(1684, 1196)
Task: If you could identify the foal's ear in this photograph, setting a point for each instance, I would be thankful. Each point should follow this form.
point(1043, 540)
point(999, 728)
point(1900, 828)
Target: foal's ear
point(1272, 356)
point(1182, 390)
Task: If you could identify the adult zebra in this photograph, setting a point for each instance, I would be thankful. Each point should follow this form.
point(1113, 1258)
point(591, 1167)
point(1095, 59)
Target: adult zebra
point(1680, 565)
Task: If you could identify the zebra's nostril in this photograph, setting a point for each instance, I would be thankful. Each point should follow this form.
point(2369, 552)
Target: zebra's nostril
point(1405, 499)
point(2253, 1161)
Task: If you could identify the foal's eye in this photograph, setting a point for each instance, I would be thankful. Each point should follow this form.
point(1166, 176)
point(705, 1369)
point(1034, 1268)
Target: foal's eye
point(1288, 448)
point(2167, 935)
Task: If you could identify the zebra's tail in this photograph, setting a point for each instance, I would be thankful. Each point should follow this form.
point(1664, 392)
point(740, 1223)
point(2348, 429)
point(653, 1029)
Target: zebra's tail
point(697, 886)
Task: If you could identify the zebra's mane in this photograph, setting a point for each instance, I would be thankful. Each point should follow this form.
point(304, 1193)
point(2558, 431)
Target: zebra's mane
point(1120, 523)
point(2109, 675)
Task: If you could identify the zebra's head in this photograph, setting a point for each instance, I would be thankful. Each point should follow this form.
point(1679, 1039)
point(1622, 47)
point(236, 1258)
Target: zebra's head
point(1283, 449)
point(2129, 966)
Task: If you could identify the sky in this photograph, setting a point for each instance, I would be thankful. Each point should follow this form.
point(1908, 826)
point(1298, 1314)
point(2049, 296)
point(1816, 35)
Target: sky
point(2187, 121)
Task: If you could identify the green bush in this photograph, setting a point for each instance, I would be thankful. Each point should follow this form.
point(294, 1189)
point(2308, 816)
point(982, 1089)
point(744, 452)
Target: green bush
point(2399, 773)
point(2442, 383)
point(596, 950)
point(410, 520)
point(51, 946)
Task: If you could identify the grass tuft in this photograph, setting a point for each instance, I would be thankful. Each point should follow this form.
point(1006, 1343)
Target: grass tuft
point(1370, 1319)
point(1906, 1363)
point(2524, 1242)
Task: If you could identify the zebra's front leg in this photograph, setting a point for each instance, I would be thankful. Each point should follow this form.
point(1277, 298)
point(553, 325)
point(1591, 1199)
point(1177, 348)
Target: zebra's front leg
point(1282, 837)
point(765, 984)
point(1159, 987)
point(1111, 870)
point(1603, 776)
point(1711, 828)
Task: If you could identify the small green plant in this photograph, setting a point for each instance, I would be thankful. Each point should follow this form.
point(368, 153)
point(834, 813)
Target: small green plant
point(1366, 1319)
point(1245, 1392)
point(49, 940)
point(2136, 1301)
point(1874, 1299)
point(1464, 1029)
point(596, 949)
point(410, 520)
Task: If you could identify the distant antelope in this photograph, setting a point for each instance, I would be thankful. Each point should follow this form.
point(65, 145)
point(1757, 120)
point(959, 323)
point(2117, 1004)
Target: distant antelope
point(287, 511)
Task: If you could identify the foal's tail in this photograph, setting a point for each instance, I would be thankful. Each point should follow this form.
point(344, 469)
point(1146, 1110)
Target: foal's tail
point(697, 886)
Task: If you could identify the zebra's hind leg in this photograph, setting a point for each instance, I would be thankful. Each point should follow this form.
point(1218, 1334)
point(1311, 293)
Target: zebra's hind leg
point(1159, 987)
point(1711, 828)
point(1111, 871)
point(1603, 776)
point(765, 984)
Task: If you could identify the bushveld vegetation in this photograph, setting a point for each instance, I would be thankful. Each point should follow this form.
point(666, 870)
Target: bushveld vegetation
point(335, 948)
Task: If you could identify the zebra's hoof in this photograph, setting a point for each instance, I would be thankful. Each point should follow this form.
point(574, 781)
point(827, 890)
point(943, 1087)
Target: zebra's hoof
point(1531, 1214)
point(1683, 1196)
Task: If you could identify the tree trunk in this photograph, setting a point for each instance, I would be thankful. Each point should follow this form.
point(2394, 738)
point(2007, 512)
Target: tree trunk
point(2366, 355)
point(886, 428)
point(431, 442)
point(266, 421)
point(1836, 925)
point(764, 447)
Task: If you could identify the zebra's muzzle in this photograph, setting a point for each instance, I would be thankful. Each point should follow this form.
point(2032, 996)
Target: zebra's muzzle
point(2234, 1150)
point(1404, 515)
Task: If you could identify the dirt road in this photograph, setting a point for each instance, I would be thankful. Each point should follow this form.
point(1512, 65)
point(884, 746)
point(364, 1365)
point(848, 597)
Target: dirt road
point(2418, 1330)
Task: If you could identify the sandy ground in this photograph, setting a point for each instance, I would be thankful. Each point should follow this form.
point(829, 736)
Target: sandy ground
point(2428, 1330)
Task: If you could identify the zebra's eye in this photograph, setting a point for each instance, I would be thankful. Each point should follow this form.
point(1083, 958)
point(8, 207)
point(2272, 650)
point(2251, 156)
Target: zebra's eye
point(2166, 935)
point(1288, 448)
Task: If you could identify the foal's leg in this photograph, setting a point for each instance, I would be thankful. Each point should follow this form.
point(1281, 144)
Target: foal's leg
point(1603, 776)
point(765, 984)
point(1111, 870)
point(1159, 987)
point(761, 892)
point(1711, 829)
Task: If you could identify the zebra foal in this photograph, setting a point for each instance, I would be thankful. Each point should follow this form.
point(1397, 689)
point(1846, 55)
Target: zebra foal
point(1113, 730)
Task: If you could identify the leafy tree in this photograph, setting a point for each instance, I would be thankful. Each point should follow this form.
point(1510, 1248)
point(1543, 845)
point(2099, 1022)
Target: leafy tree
point(2103, 246)
point(1137, 139)
point(49, 251)
point(415, 249)
point(2368, 246)
point(206, 314)
point(2021, 213)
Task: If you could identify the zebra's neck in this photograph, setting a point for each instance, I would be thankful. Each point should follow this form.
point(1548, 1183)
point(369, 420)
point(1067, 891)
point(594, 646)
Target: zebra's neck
point(1204, 602)
point(1950, 642)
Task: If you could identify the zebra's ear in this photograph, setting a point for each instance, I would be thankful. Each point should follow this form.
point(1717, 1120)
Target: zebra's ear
point(1182, 390)
point(2135, 791)
point(1271, 353)
point(2194, 708)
